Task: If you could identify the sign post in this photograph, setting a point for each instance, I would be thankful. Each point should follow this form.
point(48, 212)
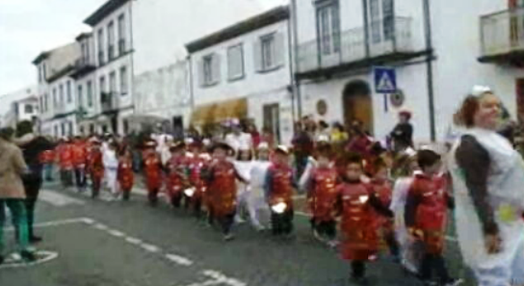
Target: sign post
point(385, 82)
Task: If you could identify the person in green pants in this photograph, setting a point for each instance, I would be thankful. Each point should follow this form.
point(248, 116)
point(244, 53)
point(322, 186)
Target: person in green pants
point(12, 193)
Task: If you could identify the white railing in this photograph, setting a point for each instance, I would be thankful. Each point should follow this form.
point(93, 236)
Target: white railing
point(502, 32)
point(383, 39)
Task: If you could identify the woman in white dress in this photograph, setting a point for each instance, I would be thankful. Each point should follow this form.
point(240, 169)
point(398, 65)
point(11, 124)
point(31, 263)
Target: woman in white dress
point(488, 185)
point(111, 167)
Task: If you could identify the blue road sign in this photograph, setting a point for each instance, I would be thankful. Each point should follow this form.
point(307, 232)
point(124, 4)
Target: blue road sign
point(385, 80)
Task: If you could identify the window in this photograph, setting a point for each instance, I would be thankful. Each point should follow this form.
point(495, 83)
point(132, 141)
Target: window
point(112, 82)
point(381, 17)
point(388, 19)
point(374, 13)
point(268, 51)
point(101, 47)
point(235, 58)
point(328, 27)
point(70, 129)
point(102, 86)
point(28, 108)
point(121, 34)
point(111, 40)
point(208, 70)
point(89, 87)
point(123, 80)
point(69, 92)
point(44, 71)
point(56, 131)
point(80, 96)
point(63, 129)
point(55, 98)
point(40, 73)
point(61, 94)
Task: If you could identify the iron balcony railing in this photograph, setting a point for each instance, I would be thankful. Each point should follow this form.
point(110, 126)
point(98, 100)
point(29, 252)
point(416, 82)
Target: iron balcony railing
point(109, 101)
point(387, 36)
point(502, 32)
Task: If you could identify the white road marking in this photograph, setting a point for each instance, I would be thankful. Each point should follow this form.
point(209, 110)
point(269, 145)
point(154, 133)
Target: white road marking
point(55, 223)
point(88, 221)
point(116, 233)
point(100, 226)
point(15, 261)
point(150, 247)
point(133, 240)
point(217, 278)
point(57, 199)
point(179, 259)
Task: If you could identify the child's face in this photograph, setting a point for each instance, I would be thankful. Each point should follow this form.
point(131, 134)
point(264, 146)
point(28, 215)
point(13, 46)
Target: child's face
point(281, 158)
point(220, 154)
point(433, 169)
point(323, 161)
point(353, 171)
point(381, 174)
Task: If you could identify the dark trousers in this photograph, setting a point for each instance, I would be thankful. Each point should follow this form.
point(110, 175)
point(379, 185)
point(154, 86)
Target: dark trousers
point(152, 196)
point(126, 194)
point(30, 204)
point(325, 228)
point(434, 263)
point(66, 177)
point(176, 200)
point(80, 177)
point(358, 269)
point(392, 243)
point(282, 223)
point(226, 222)
point(48, 172)
point(95, 187)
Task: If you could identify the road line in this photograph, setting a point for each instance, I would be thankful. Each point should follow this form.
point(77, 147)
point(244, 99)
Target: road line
point(150, 247)
point(101, 226)
point(179, 259)
point(54, 223)
point(116, 233)
point(133, 240)
point(19, 263)
point(220, 278)
point(88, 221)
point(58, 199)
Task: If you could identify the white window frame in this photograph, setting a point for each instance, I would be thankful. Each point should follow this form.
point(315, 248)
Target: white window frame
point(111, 41)
point(69, 92)
point(207, 62)
point(235, 60)
point(89, 93)
point(122, 34)
point(124, 83)
point(268, 54)
point(112, 83)
point(328, 25)
point(80, 95)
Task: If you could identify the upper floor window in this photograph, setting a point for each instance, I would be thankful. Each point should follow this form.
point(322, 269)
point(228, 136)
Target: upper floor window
point(69, 92)
point(112, 82)
point(80, 96)
point(101, 47)
point(44, 71)
point(209, 70)
point(28, 108)
point(123, 80)
point(269, 52)
point(102, 84)
point(121, 34)
point(328, 26)
point(235, 62)
point(61, 94)
point(89, 87)
point(381, 17)
point(55, 98)
point(40, 75)
point(41, 102)
point(111, 40)
point(85, 52)
point(46, 103)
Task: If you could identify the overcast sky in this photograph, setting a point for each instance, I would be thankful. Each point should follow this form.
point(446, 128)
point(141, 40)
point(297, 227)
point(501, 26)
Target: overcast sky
point(28, 27)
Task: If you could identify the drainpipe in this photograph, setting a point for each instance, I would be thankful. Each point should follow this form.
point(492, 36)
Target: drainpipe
point(296, 82)
point(293, 85)
point(429, 67)
point(191, 90)
point(132, 82)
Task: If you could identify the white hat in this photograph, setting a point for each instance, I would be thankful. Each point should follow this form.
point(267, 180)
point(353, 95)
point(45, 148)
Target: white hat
point(263, 146)
point(323, 138)
point(479, 90)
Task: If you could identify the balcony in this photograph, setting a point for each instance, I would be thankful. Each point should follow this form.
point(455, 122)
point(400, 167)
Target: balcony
point(83, 66)
point(109, 102)
point(353, 49)
point(502, 37)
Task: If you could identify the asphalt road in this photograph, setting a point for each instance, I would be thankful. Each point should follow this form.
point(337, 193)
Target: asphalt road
point(110, 243)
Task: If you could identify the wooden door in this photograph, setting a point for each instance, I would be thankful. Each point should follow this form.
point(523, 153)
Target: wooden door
point(272, 119)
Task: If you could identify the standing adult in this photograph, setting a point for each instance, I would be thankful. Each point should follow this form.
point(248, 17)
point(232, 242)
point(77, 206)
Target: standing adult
point(488, 175)
point(402, 134)
point(237, 138)
point(32, 146)
point(12, 193)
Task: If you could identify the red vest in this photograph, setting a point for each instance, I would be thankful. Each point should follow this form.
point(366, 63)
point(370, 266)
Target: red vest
point(281, 184)
point(323, 196)
point(65, 156)
point(176, 179)
point(223, 189)
point(47, 157)
point(197, 164)
point(79, 154)
point(431, 214)
point(125, 173)
point(96, 164)
point(152, 171)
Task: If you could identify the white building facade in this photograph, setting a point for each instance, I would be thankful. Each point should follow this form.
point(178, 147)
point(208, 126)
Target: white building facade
point(19, 105)
point(243, 72)
point(56, 90)
point(435, 47)
point(112, 84)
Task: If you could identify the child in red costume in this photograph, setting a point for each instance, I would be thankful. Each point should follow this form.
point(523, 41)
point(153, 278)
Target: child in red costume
point(221, 178)
point(279, 192)
point(426, 216)
point(125, 173)
point(177, 180)
point(47, 158)
point(383, 189)
point(152, 172)
point(79, 158)
point(65, 162)
point(358, 205)
point(322, 195)
point(95, 167)
point(198, 162)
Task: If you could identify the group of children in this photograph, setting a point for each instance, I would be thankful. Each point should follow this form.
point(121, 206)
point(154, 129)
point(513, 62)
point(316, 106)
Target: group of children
point(359, 195)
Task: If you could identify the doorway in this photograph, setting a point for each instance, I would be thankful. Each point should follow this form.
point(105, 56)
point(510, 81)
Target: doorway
point(178, 127)
point(272, 119)
point(356, 99)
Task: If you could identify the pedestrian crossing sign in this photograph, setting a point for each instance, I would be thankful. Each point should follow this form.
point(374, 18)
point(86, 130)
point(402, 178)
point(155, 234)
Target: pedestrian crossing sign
point(385, 80)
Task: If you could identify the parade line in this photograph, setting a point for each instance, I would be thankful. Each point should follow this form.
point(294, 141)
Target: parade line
point(211, 277)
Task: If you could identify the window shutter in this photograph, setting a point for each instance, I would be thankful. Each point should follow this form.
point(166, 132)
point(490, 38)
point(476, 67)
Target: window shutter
point(200, 71)
point(280, 49)
point(257, 55)
point(216, 68)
